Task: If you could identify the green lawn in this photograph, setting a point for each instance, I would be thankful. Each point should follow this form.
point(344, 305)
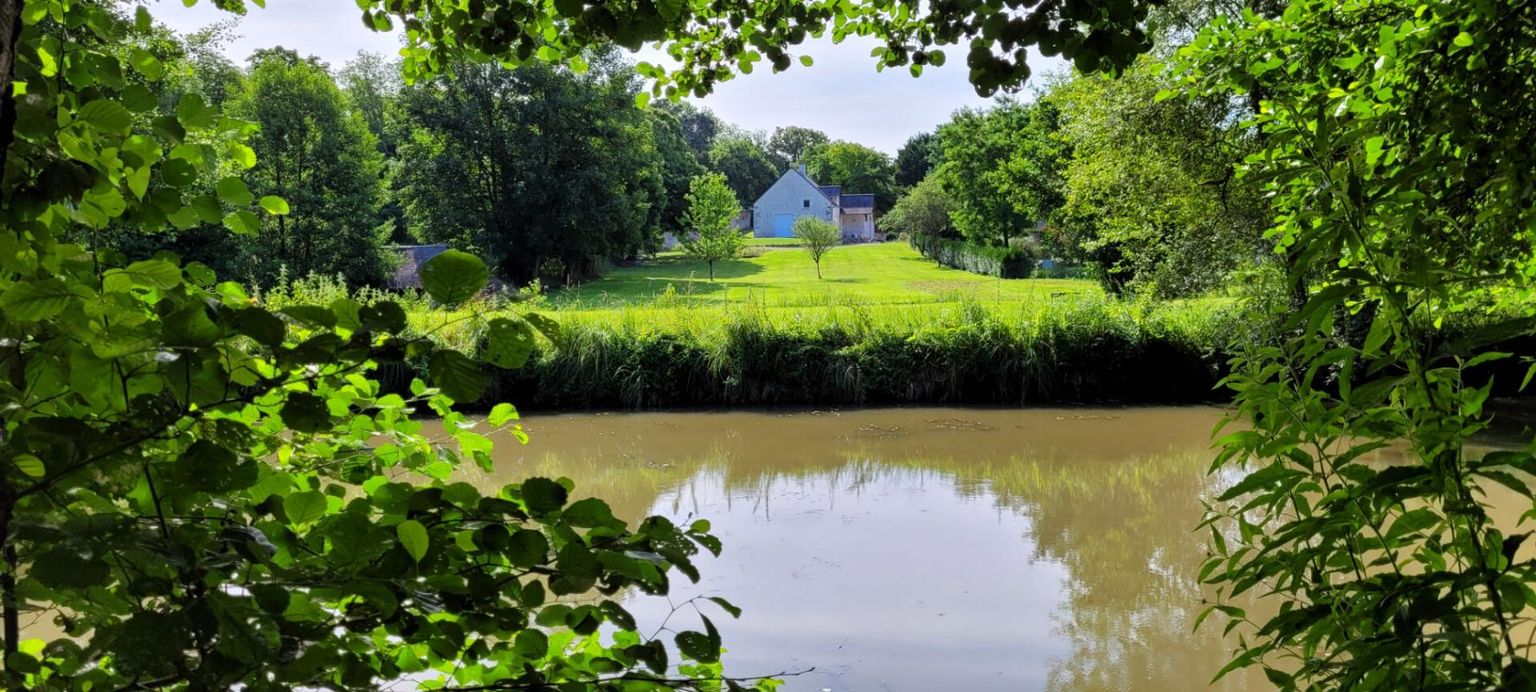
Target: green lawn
point(870, 275)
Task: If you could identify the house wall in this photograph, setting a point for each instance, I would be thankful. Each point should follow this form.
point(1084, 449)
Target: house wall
point(788, 195)
point(858, 226)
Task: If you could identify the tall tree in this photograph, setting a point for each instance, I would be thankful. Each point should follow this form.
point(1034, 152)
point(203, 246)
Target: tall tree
point(746, 166)
point(699, 126)
point(545, 171)
point(857, 168)
point(792, 143)
point(1001, 169)
point(916, 158)
point(1151, 191)
point(678, 167)
point(712, 212)
point(924, 209)
point(318, 155)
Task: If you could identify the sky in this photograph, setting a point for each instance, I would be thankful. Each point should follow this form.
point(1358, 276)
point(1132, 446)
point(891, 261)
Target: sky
point(841, 94)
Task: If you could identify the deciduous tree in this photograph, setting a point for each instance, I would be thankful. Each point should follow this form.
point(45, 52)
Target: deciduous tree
point(712, 212)
point(792, 143)
point(817, 237)
point(745, 164)
point(316, 153)
point(857, 168)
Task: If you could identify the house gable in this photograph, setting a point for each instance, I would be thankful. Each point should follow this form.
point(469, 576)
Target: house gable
point(790, 197)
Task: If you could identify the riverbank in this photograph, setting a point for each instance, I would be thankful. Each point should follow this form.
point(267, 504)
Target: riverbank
point(1067, 350)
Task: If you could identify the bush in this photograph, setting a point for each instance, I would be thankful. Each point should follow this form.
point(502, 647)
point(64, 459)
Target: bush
point(1015, 262)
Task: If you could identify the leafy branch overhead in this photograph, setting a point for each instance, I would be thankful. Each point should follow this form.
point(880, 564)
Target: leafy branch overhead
point(711, 41)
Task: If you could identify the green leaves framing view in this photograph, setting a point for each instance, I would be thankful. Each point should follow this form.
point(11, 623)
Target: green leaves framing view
point(208, 479)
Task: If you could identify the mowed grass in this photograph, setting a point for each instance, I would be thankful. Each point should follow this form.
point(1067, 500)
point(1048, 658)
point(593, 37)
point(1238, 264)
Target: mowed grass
point(869, 276)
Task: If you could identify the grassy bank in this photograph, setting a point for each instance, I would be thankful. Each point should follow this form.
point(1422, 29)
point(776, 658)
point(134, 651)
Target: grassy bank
point(904, 332)
point(1073, 350)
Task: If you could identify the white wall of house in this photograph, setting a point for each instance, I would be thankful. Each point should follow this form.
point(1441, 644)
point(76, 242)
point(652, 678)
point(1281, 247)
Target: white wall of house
point(791, 197)
point(858, 226)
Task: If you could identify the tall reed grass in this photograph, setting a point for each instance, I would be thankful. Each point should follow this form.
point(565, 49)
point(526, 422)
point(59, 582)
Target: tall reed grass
point(1076, 348)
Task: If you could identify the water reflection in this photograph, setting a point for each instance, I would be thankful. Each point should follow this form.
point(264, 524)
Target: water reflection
point(925, 549)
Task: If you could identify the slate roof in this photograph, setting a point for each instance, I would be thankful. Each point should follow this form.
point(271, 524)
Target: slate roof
point(858, 202)
point(831, 191)
point(408, 274)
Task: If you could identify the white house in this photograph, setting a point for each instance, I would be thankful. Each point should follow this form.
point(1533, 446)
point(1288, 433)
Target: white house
point(795, 195)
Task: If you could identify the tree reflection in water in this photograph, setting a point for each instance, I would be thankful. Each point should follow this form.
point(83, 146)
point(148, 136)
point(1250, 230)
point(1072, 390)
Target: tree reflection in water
point(1077, 525)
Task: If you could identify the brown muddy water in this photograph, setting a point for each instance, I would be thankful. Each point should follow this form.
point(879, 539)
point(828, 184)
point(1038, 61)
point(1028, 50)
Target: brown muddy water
point(922, 549)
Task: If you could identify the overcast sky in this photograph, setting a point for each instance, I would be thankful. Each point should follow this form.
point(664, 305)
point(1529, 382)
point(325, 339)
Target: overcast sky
point(841, 94)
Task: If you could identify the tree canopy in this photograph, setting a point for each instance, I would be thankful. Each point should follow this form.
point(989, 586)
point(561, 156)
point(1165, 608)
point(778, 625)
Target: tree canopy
point(857, 168)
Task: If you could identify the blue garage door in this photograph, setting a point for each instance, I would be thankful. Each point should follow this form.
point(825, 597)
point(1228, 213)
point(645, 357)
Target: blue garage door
point(783, 225)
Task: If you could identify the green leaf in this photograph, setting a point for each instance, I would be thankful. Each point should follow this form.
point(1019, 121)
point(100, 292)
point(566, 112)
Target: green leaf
point(453, 277)
point(531, 644)
point(508, 342)
point(304, 508)
point(526, 548)
point(194, 114)
point(152, 273)
point(30, 301)
point(727, 606)
point(234, 191)
point(413, 537)
point(1411, 522)
point(30, 465)
point(209, 467)
point(274, 205)
point(105, 115)
point(63, 568)
point(695, 645)
point(501, 414)
point(242, 222)
point(589, 513)
point(457, 375)
point(543, 496)
point(305, 412)
point(1462, 40)
point(146, 63)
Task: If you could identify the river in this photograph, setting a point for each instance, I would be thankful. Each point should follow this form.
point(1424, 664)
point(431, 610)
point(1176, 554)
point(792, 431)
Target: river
point(925, 548)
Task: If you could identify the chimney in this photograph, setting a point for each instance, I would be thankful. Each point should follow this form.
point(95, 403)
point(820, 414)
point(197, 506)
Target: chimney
point(802, 169)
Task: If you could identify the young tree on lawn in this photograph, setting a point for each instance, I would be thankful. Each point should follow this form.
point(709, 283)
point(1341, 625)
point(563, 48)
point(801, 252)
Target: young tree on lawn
point(712, 212)
point(818, 237)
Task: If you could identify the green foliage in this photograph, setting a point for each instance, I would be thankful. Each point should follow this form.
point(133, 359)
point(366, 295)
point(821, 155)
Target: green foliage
point(1013, 262)
point(1151, 189)
point(923, 210)
point(916, 158)
point(745, 163)
point(317, 154)
point(437, 32)
point(857, 168)
point(817, 237)
point(791, 144)
point(712, 212)
point(679, 165)
point(534, 167)
point(1067, 350)
point(1001, 169)
point(1391, 146)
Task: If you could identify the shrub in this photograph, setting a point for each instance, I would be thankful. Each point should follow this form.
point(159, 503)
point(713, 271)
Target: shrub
point(1016, 262)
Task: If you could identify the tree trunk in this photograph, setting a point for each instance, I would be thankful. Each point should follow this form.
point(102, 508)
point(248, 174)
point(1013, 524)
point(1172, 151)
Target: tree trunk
point(711, 270)
point(10, 35)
